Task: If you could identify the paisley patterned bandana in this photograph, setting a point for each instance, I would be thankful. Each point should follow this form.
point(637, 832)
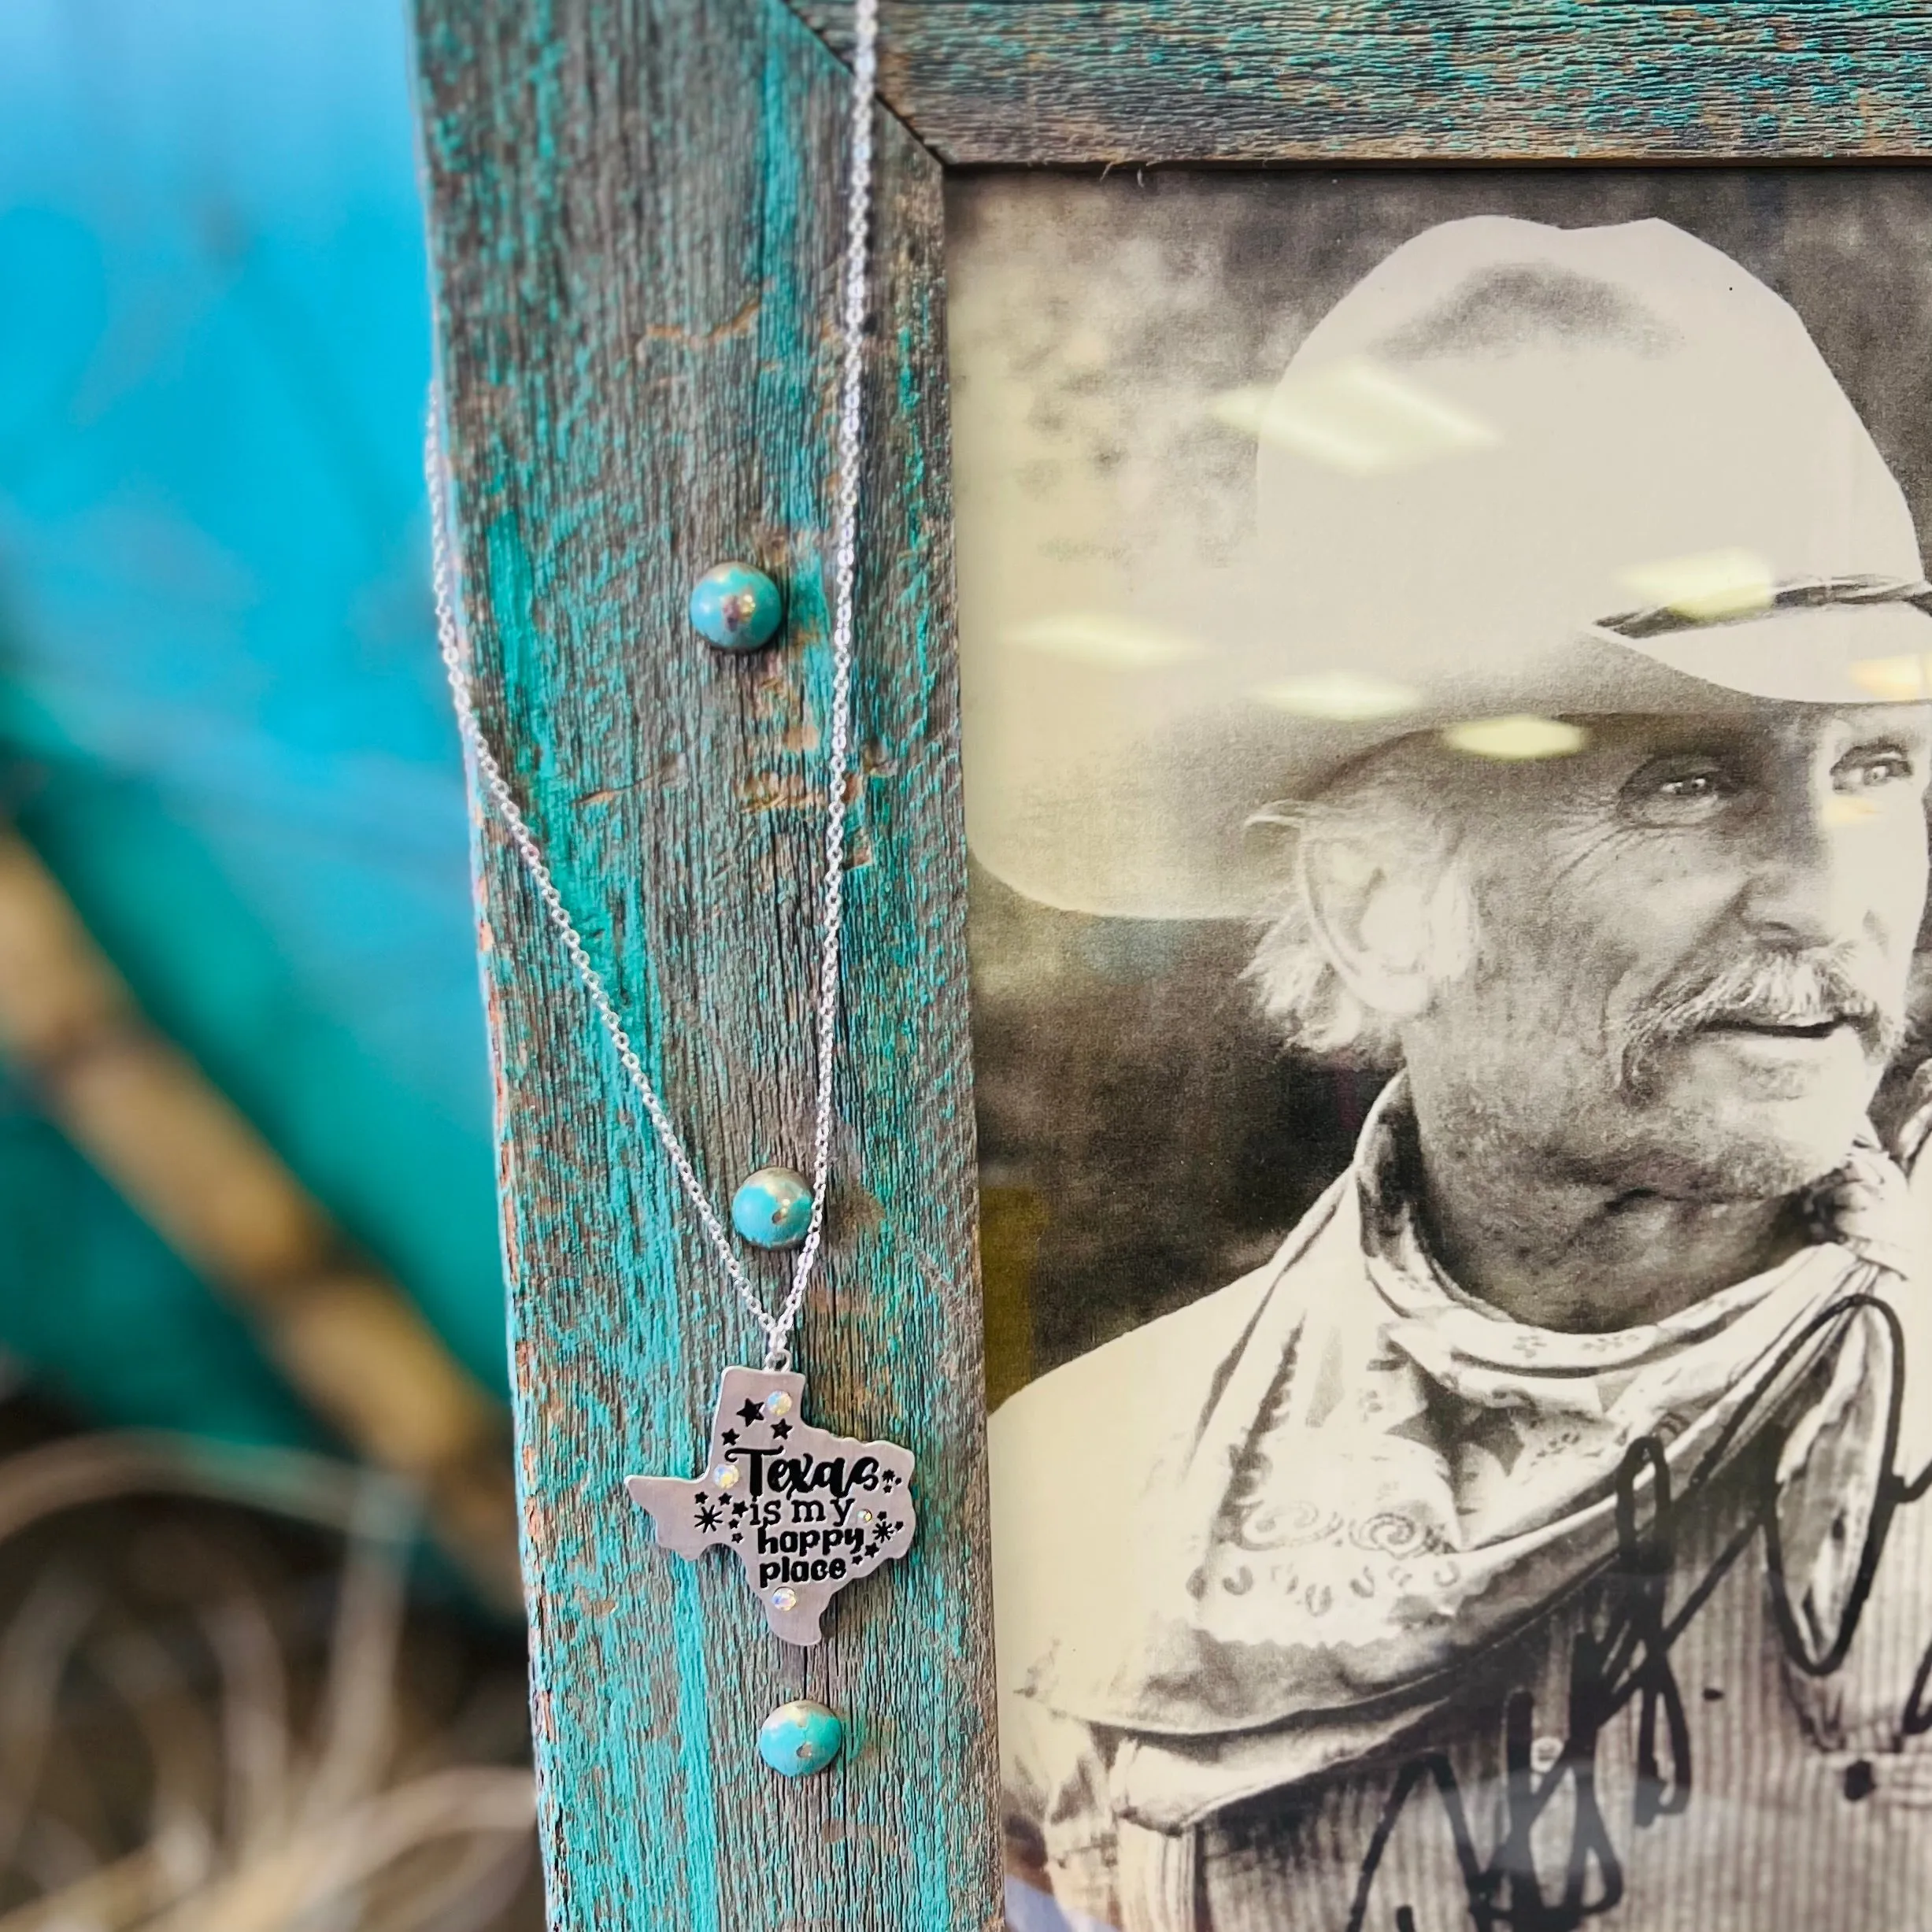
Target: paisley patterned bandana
point(1395, 1478)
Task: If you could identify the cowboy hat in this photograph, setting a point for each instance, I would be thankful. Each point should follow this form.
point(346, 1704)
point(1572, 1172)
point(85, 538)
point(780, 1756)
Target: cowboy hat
point(1518, 473)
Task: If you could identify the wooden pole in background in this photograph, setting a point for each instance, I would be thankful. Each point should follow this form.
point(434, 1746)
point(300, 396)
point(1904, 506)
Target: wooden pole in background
point(346, 1336)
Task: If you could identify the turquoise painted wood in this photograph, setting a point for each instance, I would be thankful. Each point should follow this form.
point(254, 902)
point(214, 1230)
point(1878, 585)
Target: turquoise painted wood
point(1081, 82)
point(635, 228)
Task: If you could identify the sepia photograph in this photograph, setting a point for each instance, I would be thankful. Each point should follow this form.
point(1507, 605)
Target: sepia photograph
point(1446, 668)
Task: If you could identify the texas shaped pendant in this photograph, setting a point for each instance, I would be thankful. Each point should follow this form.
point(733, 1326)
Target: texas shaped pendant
point(805, 1510)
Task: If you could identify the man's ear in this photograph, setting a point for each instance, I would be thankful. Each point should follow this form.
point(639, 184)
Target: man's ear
point(1375, 921)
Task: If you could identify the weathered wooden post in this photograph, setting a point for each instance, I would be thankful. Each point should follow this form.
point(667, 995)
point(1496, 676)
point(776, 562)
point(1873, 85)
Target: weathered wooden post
point(636, 218)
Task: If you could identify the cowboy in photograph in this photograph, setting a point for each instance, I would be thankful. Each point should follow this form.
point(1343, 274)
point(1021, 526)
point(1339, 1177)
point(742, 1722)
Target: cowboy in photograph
point(1535, 1540)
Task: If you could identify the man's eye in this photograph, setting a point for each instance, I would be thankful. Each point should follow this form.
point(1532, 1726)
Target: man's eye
point(1880, 767)
point(1690, 785)
point(1679, 792)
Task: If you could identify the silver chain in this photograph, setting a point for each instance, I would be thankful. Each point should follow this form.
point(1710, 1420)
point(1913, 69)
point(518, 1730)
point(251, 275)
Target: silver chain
point(777, 1326)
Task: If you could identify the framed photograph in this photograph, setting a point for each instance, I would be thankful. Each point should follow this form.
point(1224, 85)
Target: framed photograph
point(1443, 659)
point(1378, 1160)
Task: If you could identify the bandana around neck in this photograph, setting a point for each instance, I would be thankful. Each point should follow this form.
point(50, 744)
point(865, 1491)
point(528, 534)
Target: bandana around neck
point(1394, 1477)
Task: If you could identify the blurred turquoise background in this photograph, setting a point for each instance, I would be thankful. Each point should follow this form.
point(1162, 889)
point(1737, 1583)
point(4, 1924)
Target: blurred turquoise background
point(221, 715)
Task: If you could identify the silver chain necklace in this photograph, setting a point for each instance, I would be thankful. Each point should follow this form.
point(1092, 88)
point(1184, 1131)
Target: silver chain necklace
point(806, 1511)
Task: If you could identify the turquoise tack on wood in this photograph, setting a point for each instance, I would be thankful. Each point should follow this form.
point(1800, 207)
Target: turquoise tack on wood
point(800, 1738)
point(736, 608)
point(772, 1208)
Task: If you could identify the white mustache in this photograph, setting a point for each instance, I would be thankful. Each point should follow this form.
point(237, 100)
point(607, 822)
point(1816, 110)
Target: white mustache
point(1768, 990)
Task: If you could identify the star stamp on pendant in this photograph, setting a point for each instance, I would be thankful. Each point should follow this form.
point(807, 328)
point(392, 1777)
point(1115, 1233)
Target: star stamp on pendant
point(806, 1511)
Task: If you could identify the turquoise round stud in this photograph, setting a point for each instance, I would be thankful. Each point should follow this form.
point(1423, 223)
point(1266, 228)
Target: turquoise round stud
point(773, 1207)
point(736, 608)
point(800, 1737)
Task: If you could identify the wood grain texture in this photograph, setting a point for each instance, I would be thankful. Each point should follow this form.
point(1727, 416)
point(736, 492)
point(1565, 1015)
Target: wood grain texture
point(635, 227)
point(1081, 82)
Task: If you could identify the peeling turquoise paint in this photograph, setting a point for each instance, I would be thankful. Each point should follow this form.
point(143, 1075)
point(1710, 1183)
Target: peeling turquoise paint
point(636, 266)
point(988, 83)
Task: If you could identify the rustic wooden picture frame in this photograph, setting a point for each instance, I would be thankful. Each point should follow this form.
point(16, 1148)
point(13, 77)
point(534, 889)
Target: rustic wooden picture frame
point(634, 217)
